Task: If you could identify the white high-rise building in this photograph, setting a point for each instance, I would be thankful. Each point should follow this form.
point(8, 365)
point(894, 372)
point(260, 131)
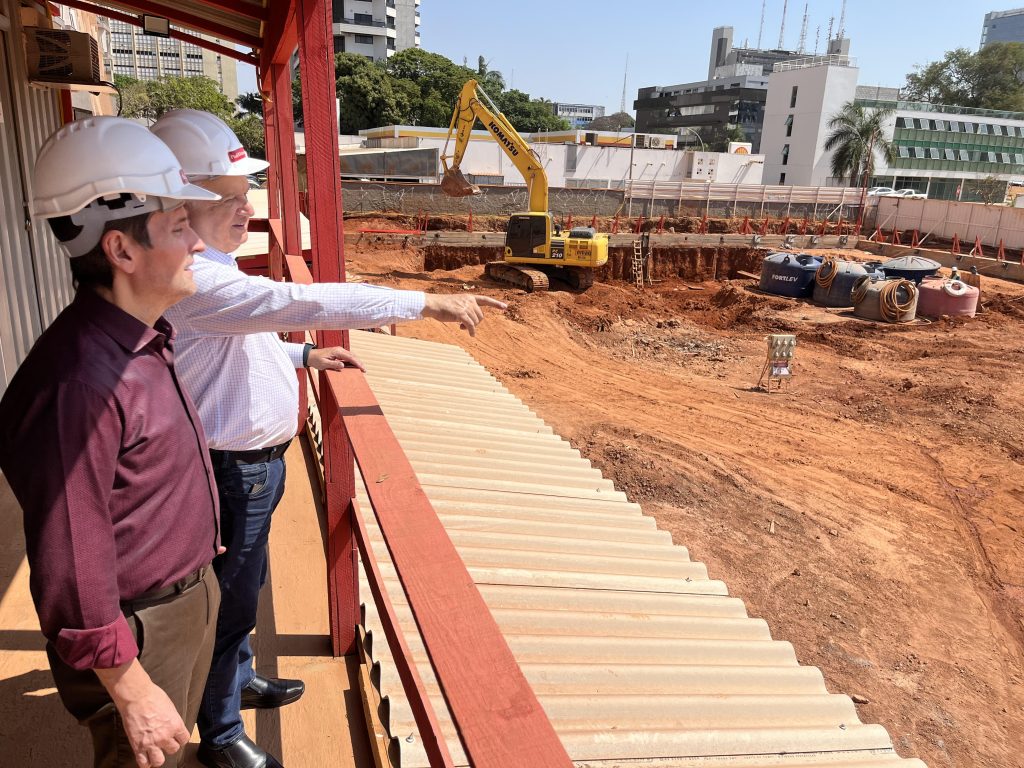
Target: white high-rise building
point(376, 29)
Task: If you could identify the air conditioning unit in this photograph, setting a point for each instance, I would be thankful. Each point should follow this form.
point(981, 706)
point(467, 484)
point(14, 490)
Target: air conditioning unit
point(62, 56)
point(641, 141)
point(655, 142)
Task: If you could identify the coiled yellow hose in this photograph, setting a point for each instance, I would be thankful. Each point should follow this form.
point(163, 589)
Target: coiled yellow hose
point(890, 306)
point(827, 273)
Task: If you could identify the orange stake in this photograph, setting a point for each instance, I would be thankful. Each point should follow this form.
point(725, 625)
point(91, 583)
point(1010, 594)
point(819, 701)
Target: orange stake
point(895, 237)
point(956, 244)
point(1001, 256)
point(977, 250)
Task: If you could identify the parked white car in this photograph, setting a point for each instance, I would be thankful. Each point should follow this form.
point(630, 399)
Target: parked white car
point(877, 191)
point(911, 193)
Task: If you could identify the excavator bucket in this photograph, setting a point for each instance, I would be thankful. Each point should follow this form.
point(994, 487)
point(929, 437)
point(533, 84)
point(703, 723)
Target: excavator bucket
point(455, 184)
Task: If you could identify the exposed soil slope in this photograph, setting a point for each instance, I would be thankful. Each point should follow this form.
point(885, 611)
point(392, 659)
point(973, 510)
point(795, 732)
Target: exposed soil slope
point(872, 513)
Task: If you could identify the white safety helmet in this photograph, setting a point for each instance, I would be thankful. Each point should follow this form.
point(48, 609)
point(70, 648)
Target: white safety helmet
point(102, 169)
point(205, 145)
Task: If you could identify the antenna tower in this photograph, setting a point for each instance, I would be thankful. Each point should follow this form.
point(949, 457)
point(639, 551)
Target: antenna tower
point(760, 31)
point(622, 104)
point(831, 21)
point(817, 38)
point(782, 26)
point(842, 22)
point(801, 48)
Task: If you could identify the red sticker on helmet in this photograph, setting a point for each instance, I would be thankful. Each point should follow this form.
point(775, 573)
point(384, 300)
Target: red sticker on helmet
point(236, 154)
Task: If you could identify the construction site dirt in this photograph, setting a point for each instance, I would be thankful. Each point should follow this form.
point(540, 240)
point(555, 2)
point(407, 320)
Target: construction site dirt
point(872, 512)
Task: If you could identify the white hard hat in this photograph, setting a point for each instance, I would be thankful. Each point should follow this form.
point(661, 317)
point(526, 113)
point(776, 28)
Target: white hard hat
point(101, 169)
point(205, 145)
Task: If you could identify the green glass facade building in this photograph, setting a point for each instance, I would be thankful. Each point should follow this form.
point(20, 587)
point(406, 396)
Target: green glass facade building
point(953, 153)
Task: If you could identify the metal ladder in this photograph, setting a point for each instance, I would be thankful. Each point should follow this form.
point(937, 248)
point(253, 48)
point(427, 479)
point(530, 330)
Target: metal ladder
point(638, 263)
point(641, 250)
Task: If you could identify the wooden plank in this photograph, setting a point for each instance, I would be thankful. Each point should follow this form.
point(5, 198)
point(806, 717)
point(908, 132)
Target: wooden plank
point(501, 723)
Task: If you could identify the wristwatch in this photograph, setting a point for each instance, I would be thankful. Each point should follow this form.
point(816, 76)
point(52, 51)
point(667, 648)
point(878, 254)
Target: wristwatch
point(306, 349)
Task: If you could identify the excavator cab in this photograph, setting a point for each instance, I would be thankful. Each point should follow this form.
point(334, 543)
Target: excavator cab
point(526, 233)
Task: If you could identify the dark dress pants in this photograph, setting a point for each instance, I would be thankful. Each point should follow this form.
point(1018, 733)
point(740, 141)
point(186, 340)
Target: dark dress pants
point(175, 637)
point(249, 493)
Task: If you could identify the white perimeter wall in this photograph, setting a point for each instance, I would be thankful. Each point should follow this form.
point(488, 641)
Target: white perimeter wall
point(563, 162)
point(945, 218)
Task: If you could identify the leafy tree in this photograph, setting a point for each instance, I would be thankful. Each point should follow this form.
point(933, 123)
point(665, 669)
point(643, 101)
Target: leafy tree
point(367, 98)
point(529, 116)
point(133, 100)
point(855, 139)
point(251, 103)
point(992, 78)
point(197, 92)
point(718, 138)
point(615, 122)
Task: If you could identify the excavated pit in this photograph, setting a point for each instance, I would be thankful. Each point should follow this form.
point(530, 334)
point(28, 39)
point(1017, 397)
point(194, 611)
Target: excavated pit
point(686, 263)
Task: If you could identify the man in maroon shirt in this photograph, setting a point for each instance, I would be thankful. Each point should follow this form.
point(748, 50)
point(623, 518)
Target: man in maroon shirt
point(106, 455)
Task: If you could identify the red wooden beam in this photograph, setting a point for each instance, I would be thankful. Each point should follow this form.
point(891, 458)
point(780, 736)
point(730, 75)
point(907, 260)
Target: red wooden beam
point(323, 176)
point(177, 34)
point(500, 721)
point(198, 23)
point(236, 6)
point(280, 36)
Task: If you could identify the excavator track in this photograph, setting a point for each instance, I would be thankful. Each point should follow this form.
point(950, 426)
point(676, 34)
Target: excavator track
point(578, 278)
point(530, 280)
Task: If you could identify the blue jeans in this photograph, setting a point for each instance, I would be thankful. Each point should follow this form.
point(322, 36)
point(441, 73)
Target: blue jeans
point(248, 495)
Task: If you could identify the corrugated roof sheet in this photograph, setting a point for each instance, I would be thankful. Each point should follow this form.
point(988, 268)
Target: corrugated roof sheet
point(635, 653)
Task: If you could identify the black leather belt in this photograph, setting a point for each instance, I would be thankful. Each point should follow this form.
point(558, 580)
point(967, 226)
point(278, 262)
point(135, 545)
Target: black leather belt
point(259, 456)
point(156, 595)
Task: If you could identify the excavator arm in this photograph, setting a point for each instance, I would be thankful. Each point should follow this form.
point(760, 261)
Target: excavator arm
point(474, 104)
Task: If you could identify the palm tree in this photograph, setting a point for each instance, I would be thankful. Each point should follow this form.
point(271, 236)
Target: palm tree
point(856, 136)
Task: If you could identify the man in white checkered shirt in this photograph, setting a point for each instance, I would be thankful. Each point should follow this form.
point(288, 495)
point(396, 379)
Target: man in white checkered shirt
point(242, 379)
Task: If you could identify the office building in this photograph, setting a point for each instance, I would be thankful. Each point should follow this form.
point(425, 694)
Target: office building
point(578, 115)
point(148, 57)
point(376, 29)
point(1003, 27)
point(947, 152)
point(733, 96)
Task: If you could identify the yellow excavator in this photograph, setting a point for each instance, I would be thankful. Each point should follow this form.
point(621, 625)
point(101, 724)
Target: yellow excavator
point(534, 247)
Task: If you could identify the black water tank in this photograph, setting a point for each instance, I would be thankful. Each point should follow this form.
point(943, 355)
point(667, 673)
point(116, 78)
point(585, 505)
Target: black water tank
point(914, 268)
point(789, 274)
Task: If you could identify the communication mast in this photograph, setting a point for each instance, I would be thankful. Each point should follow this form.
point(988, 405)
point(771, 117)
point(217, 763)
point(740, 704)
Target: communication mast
point(622, 104)
point(760, 30)
point(782, 27)
point(801, 47)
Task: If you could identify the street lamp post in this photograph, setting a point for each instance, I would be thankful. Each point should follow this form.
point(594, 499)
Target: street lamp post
point(691, 130)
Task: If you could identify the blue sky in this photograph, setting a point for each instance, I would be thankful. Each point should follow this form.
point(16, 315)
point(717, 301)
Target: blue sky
point(567, 50)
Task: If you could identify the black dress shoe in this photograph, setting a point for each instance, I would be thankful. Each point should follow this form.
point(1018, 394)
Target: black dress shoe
point(239, 754)
point(270, 692)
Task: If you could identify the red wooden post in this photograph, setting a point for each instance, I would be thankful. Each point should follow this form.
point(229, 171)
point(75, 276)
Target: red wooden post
point(895, 239)
point(977, 250)
point(785, 227)
point(323, 176)
point(593, 221)
point(822, 228)
point(615, 225)
point(745, 229)
point(803, 226)
point(661, 224)
point(914, 241)
point(764, 226)
point(956, 244)
point(839, 224)
point(639, 223)
point(568, 224)
point(703, 225)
